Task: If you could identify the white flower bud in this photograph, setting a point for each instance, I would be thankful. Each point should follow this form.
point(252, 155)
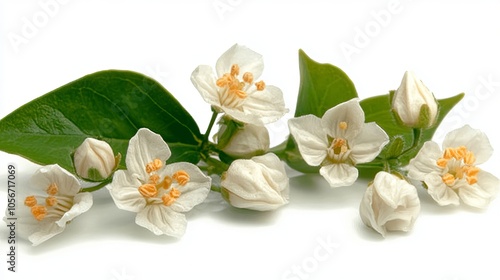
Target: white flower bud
point(247, 141)
point(259, 183)
point(389, 204)
point(94, 160)
point(413, 103)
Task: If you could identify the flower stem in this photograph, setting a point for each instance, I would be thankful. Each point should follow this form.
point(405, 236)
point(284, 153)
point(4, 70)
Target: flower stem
point(417, 135)
point(97, 187)
point(215, 188)
point(210, 125)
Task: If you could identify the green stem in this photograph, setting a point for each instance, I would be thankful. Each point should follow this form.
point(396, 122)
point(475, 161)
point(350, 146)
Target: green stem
point(97, 187)
point(280, 150)
point(210, 125)
point(417, 134)
point(215, 166)
point(215, 188)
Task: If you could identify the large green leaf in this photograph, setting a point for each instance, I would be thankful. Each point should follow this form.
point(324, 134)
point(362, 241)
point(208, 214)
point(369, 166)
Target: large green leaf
point(322, 86)
point(108, 105)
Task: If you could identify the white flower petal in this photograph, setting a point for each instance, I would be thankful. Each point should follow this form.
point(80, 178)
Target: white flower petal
point(339, 175)
point(481, 194)
point(368, 143)
point(195, 191)
point(267, 104)
point(349, 112)
point(82, 203)
point(474, 139)
point(390, 204)
point(247, 60)
point(160, 219)
point(439, 191)
point(44, 231)
point(125, 193)
point(67, 183)
point(258, 184)
point(204, 80)
point(425, 161)
point(367, 211)
point(143, 148)
point(310, 138)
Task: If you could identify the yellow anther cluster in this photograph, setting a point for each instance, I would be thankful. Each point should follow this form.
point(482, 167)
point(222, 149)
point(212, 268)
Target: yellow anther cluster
point(460, 164)
point(234, 85)
point(171, 197)
point(260, 85)
point(157, 188)
point(153, 166)
point(40, 211)
point(182, 177)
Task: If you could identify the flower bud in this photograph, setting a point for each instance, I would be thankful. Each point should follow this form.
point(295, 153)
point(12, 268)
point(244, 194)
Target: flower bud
point(389, 204)
point(413, 104)
point(94, 160)
point(245, 142)
point(259, 183)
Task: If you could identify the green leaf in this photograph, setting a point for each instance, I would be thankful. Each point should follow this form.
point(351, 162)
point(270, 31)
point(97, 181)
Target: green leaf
point(378, 109)
point(322, 86)
point(108, 105)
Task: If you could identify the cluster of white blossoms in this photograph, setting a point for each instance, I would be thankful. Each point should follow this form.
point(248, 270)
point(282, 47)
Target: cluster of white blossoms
point(256, 179)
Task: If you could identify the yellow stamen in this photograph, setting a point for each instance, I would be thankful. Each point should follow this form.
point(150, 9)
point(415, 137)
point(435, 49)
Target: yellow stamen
point(171, 197)
point(148, 190)
point(338, 142)
point(51, 201)
point(235, 70)
point(442, 162)
point(248, 77)
point(472, 171)
point(30, 201)
point(471, 180)
point(52, 189)
point(469, 158)
point(153, 179)
point(155, 165)
point(241, 94)
point(224, 80)
point(448, 179)
point(182, 177)
point(39, 212)
point(343, 125)
point(260, 85)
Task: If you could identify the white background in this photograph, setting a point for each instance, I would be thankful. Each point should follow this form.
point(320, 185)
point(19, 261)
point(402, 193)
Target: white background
point(452, 46)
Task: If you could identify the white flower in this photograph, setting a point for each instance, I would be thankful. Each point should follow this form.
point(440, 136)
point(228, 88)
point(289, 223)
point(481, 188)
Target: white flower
point(94, 160)
point(414, 104)
point(452, 174)
point(158, 193)
point(338, 141)
point(54, 202)
point(247, 141)
point(389, 204)
point(234, 88)
point(259, 183)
